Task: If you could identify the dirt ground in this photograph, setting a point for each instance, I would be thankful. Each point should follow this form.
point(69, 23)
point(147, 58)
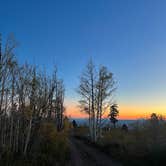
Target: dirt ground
point(84, 155)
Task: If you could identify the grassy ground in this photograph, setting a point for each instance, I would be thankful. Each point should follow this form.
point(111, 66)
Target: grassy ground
point(145, 144)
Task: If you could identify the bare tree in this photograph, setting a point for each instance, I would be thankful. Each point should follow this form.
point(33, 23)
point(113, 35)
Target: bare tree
point(28, 97)
point(95, 89)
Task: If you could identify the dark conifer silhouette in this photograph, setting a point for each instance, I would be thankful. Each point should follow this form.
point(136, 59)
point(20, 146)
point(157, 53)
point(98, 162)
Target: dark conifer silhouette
point(74, 124)
point(114, 112)
point(125, 127)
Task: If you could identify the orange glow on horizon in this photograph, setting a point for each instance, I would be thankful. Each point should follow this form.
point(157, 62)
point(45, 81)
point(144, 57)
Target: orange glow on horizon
point(125, 112)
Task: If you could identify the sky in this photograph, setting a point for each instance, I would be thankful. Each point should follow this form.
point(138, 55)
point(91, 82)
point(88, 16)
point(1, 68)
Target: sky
point(127, 36)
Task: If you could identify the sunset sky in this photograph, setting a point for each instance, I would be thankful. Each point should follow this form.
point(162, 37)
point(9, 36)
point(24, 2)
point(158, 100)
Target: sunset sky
point(128, 36)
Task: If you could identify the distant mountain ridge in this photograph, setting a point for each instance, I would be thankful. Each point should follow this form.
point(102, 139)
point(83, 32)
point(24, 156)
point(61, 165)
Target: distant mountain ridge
point(84, 121)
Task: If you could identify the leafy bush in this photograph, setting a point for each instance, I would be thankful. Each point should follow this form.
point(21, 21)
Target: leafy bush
point(53, 146)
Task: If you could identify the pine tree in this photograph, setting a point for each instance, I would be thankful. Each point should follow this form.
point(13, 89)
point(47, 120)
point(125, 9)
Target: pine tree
point(114, 112)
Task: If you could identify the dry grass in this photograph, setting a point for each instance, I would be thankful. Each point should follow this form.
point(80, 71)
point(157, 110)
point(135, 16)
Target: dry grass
point(144, 144)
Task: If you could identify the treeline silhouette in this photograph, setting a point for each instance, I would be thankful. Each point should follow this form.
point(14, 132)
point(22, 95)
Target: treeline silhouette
point(31, 105)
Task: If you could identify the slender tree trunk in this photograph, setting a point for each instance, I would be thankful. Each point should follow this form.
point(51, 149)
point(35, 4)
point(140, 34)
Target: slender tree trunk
point(17, 135)
point(2, 94)
point(11, 132)
point(28, 136)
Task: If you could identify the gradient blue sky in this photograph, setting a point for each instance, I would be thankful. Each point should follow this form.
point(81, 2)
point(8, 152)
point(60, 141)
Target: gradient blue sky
point(128, 36)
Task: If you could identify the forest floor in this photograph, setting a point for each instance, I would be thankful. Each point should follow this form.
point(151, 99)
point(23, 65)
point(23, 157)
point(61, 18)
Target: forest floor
point(83, 154)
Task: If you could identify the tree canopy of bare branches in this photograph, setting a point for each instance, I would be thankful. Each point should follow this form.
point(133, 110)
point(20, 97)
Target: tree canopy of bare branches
point(27, 97)
point(95, 89)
